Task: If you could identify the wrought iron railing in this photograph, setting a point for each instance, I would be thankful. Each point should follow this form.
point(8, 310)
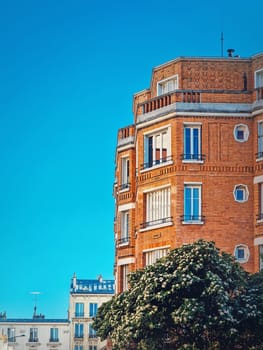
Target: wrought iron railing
point(147, 224)
point(187, 156)
point(192, 218)
point(152, 163)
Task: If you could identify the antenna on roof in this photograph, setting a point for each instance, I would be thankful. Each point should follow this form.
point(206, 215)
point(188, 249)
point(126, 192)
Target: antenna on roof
point(35, 300)
point(222, 44)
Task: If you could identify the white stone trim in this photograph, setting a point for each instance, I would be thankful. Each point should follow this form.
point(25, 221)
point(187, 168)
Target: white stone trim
point(258, 241)
point(125, 207)
point(126, 261)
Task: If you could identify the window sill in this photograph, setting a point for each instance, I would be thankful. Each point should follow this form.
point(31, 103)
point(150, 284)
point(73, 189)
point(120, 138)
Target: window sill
point(123, 244)
point(195, 161)
point(161, 165)
point(153, 227)
point(124, 190)
point(259, 159)
point(193, 222)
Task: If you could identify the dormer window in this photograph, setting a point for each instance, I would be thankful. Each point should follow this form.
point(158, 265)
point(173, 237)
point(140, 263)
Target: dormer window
point(167, 85)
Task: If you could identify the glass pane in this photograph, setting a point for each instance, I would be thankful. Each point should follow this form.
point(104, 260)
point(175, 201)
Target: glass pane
point(187, 143)
point(196, 143)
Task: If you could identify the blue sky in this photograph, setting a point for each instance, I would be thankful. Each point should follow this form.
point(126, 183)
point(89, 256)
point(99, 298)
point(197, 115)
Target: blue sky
point(68, 71)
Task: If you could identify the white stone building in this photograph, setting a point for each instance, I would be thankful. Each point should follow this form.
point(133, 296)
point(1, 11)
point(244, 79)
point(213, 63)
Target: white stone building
point(37, 333)
point(86, 296)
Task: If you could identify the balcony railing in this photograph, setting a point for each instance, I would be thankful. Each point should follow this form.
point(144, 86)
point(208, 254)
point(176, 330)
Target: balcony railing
point(147, 224)
point(167, 99)
point(259, 155)
point(33, 340)
point(192, 218)
point(79, 336)
point(259, 93)
point(79, 314)
point(92, 336)
point(53, 340)
point(153, 163)
point(123, 240)
point(125, 186)
point(198, 157)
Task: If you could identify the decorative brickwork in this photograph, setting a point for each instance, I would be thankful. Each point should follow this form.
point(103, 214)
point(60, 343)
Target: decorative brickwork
point(195, 162)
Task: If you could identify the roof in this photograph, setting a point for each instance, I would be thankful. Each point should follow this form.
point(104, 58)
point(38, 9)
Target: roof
point(95, 286)
point(33, 320)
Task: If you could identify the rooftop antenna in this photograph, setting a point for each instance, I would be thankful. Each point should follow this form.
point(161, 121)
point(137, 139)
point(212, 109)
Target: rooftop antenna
point(35, 300)
point(222, 44)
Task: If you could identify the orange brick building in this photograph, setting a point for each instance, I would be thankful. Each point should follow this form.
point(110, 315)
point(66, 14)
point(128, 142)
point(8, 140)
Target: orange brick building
point(191, 165)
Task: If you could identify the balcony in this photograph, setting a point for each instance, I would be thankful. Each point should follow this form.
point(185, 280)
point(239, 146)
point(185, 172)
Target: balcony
point(159, 222)
point(33, 340)
point(79, 314)
point(198, 101)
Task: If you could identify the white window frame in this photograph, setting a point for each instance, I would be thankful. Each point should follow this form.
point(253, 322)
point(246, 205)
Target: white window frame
point(191, 156)
point(78, 307)
point(125, 169)
point(158, 208)
point(125, 274)
point(168, 85)
point(192, 219)
point(152, 255)
point(258, 77)
point(260, 140)
point(245, 129)
point(244, 189)
point(125, 216)
point(79, 330)
point(243, 247)
point(148, 154)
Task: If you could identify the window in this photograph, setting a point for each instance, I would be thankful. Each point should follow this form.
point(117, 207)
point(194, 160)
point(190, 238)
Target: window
point(241, 132)
point(124, 227)
point(241, 253)
point(261, 257)
point(167, 85)
point(260, 140)
point(259, 78)
point(79, 309)
point(53, 334)
point(156, 149)
point(93, 347)
point(192, 203)
point(11, 335)
point(158, 209)
point(79, 330)
point(33, 335)
point(124, 277)
point(92, 332)
point(78, 347)
point(192, 143)
point(93, 308)
point(125, 169)
point(152, 256)
point(241, 193)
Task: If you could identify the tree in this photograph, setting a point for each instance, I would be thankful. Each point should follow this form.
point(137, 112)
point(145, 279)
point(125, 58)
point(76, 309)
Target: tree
point(194, 298)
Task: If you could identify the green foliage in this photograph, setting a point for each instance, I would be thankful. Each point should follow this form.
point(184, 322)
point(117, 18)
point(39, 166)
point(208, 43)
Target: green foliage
point(195, 298)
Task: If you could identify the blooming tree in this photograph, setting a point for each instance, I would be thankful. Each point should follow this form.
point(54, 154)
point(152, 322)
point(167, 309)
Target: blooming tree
point(194, 298)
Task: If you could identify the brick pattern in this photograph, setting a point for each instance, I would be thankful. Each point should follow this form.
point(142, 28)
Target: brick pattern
point(227, 163)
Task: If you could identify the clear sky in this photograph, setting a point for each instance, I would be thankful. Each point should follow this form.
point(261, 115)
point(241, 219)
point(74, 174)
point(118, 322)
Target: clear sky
point(68, 72)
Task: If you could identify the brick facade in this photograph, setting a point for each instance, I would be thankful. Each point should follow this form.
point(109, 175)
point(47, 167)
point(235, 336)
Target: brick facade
point(195, 163)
